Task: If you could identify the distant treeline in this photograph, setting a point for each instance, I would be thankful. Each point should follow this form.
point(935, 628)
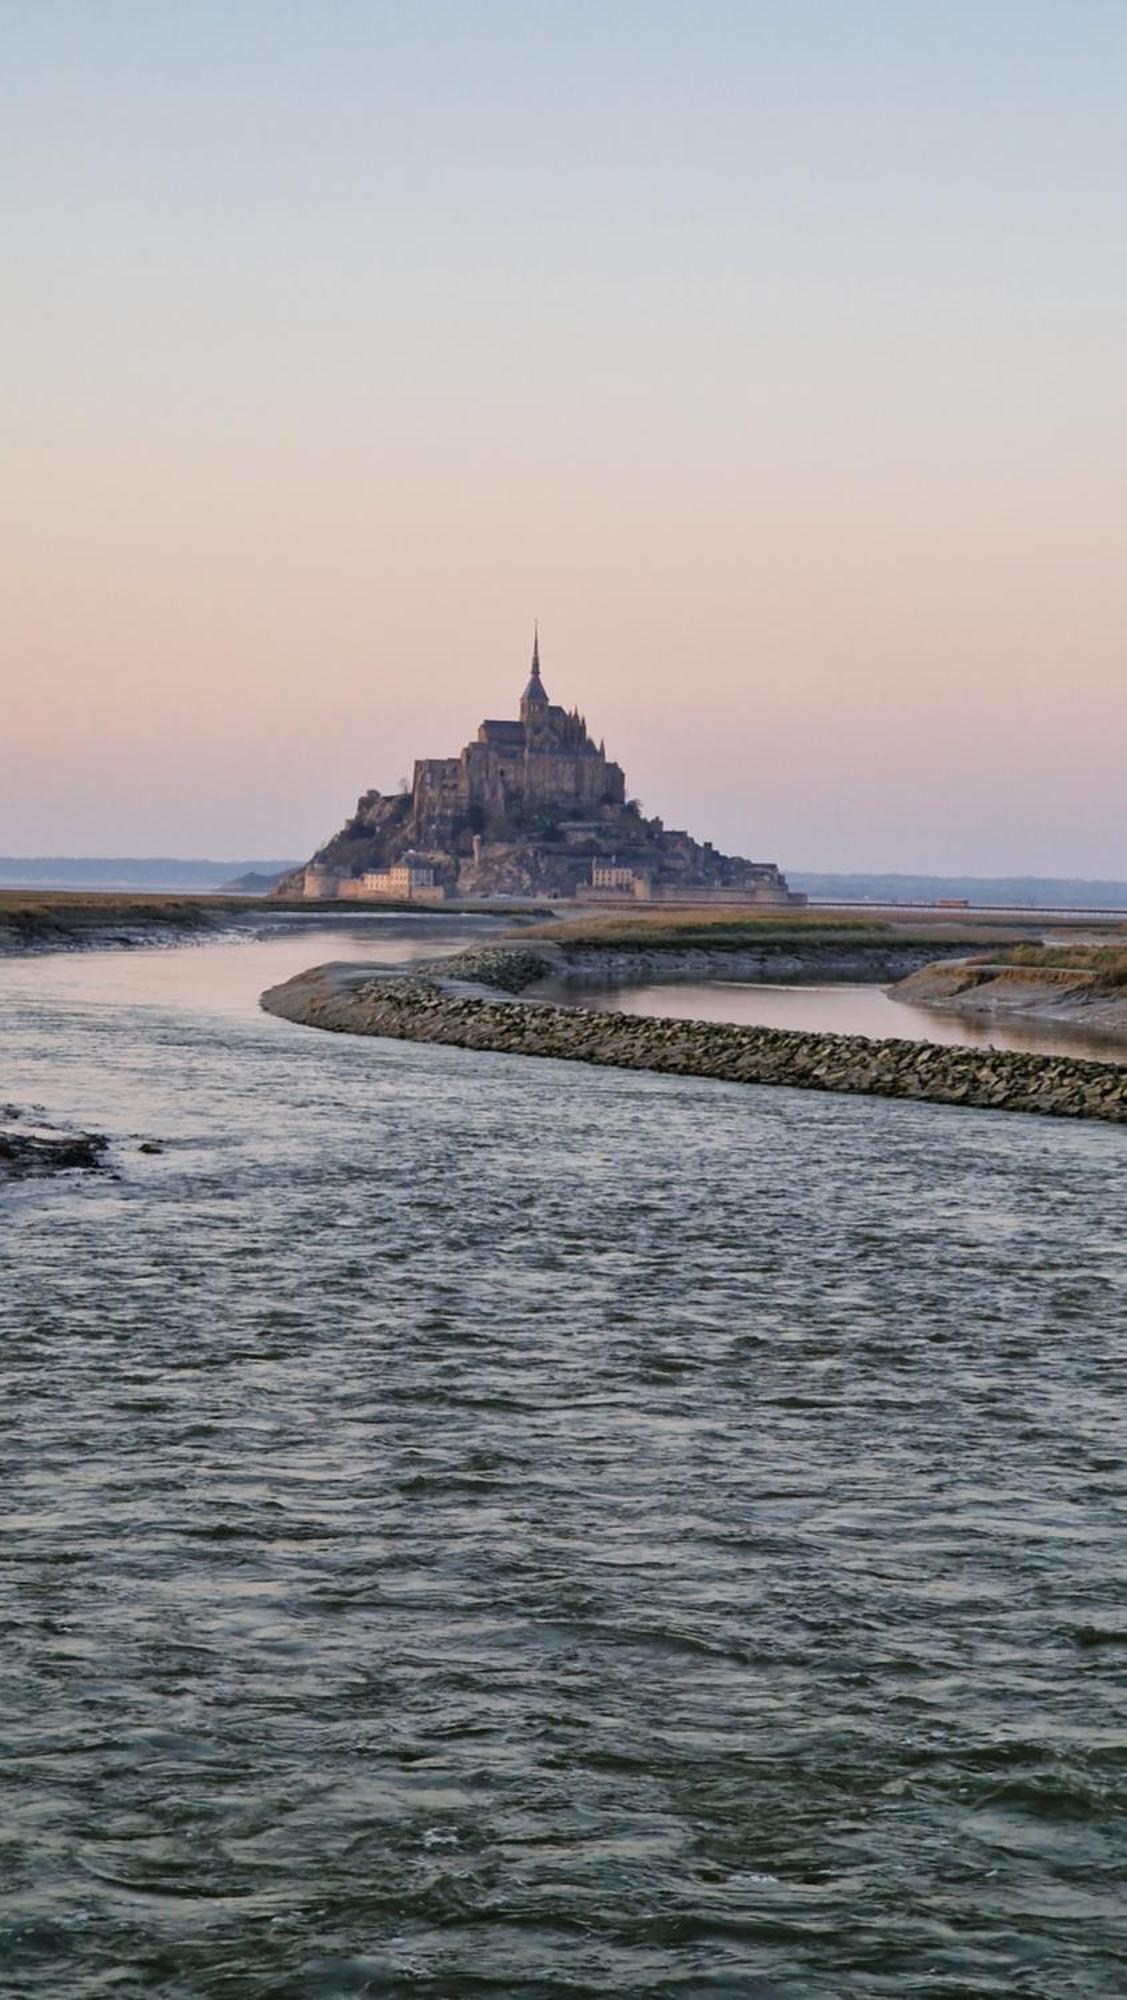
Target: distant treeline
point(1043, 892)
point(64, 871)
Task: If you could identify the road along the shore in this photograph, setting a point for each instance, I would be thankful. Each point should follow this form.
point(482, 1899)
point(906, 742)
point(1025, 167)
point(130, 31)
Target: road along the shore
point(350, 999)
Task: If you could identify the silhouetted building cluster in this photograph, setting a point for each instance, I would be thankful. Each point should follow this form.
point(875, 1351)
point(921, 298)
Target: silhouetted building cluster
point(531, 807)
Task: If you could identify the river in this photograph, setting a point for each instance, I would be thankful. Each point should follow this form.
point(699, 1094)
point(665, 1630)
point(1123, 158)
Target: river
point(476, 1526)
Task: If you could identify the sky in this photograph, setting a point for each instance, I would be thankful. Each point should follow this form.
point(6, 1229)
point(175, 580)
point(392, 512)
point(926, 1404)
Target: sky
point(769, 352)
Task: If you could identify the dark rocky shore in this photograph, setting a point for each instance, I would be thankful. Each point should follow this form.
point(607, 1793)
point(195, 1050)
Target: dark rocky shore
point(351, 1000)
point(29, 1150)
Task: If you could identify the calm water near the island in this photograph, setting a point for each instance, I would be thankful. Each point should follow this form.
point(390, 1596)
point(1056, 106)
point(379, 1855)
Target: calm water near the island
point(852, 1010)
point(479, 1526)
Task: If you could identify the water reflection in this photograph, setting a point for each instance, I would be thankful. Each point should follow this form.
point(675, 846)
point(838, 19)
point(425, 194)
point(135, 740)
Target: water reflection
point(848, 1010)
point(224, 976)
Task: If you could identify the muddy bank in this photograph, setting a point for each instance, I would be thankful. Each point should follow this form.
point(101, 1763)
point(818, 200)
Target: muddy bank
point(61, 922)
point(790, 961)
point(985, 992)
point(30, 922)
point(351, 1000)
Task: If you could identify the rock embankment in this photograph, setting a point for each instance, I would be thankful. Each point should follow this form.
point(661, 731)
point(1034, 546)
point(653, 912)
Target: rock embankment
point(349, 1000)
point(507, 968)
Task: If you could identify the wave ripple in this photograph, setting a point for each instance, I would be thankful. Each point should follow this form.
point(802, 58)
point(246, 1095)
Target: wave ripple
point(477, 1527)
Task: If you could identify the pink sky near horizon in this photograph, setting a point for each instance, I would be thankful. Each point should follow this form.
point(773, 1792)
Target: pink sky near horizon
point(782, 381)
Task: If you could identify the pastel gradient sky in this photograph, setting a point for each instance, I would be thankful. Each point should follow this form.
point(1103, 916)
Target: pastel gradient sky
point(771, 352)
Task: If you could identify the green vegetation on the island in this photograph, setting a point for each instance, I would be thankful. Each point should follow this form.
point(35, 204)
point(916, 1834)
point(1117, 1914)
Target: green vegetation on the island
point(1095, 968)
point(736, 927)
point(1102, 966)
point(1083, 983)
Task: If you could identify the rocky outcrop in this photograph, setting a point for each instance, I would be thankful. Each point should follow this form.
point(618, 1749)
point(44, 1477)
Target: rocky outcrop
point(29, 1150)
point(504, 967)
point(350, 1000)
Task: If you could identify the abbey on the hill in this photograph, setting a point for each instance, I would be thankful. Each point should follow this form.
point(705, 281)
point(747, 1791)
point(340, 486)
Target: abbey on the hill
point(546, 760)
point(532, 807)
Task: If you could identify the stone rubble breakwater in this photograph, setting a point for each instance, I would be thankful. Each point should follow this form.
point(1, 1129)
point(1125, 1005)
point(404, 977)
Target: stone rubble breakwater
point(348, 999)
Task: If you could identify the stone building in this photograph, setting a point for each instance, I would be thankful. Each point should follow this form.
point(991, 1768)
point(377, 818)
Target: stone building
point(612, 879)
point(411, 880)
point(542, 763)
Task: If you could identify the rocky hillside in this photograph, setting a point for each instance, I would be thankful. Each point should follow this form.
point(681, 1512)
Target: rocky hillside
point(532, 851)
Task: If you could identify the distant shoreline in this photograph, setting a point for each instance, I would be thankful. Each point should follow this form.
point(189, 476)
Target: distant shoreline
point(36, 921)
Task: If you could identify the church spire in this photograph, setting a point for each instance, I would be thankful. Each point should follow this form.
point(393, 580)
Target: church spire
point(534, 695)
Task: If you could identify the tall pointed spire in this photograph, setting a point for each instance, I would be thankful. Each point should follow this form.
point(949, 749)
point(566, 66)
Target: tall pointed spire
point(534, 694)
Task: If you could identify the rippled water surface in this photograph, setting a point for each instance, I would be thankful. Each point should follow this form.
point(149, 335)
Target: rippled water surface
point(476, 1526)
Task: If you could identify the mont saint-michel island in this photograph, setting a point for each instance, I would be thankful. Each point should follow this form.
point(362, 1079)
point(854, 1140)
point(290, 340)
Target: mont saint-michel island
point(533, 806)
